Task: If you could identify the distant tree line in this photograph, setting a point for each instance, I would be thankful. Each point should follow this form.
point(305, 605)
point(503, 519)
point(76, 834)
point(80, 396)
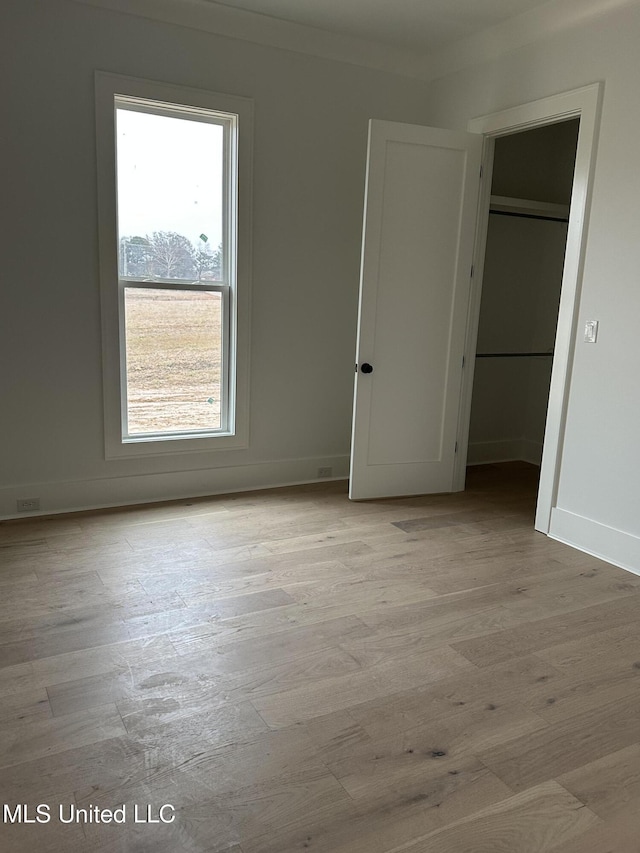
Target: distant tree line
point(167, 254)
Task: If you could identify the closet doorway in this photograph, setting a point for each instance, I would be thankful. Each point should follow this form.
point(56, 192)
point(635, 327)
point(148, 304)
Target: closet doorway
point(531, 190)
point(426, 214)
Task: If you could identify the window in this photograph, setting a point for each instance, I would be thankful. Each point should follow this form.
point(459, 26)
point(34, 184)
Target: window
point(173, 170)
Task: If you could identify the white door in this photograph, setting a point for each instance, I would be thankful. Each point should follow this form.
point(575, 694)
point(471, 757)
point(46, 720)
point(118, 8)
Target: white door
point(419, 227)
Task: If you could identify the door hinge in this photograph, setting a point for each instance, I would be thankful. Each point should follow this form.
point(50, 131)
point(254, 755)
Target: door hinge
point(356, 368)
point(463, 362)
point(472, 270)
point(481, 171)
point(456, 448)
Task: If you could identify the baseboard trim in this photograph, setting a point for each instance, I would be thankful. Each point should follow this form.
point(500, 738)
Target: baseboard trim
point(531, 451)
point(485, 452)
point(101, 493)
point(607, 543)
point(504, 450)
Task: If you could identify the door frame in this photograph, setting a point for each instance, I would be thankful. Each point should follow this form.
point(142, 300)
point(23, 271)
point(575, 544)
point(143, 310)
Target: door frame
point(585, 104)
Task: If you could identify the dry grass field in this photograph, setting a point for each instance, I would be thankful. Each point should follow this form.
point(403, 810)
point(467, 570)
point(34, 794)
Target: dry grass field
point(174, 359)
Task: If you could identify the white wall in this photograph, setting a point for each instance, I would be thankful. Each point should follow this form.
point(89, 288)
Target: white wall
point(537, 164)
point(311, 117)
point(598, 504)
point(309, 150)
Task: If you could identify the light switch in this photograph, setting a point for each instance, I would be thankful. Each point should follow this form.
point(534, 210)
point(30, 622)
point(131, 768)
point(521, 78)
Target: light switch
point(591, 331)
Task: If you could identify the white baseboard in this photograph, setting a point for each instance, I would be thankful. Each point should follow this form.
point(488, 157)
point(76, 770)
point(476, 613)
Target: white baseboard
point(615, 546)
point(74, 495)
point(485, 452)
point(504, 450)
point(531, 451)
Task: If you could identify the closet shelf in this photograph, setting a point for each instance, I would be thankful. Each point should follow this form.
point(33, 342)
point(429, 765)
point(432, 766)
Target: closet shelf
point(513, 354)
point(528, 207)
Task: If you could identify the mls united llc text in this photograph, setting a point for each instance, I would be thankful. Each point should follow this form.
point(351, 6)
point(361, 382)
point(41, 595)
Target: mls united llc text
point(70, 813)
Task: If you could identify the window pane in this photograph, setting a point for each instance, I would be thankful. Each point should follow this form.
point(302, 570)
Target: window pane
point(170, 197)
point(174, 359)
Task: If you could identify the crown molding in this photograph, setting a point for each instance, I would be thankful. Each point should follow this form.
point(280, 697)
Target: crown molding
point(537, 24)
point(208, 16)
point(205, 15)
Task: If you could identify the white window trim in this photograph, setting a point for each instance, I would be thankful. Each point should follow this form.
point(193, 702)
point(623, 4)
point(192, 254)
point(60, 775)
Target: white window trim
point(237, 436)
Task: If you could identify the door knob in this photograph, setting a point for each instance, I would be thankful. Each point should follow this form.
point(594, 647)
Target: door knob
point(366, 368)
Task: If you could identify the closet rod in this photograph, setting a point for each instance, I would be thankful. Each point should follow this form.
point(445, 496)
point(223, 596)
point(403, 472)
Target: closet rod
point(513, 354)
point(528, 215)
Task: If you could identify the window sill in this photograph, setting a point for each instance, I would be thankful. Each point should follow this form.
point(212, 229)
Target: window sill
point(172, 445)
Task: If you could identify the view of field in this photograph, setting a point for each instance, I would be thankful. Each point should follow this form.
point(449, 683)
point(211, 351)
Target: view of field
point(173, 359)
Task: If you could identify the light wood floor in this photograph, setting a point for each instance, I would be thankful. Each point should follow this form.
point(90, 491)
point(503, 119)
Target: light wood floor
point(295, 672)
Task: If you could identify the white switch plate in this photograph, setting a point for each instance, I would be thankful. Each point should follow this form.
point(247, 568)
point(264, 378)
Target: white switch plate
point(591, 331)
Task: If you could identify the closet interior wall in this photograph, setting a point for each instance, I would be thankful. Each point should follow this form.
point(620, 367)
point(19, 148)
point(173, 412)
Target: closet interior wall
point(520, 296)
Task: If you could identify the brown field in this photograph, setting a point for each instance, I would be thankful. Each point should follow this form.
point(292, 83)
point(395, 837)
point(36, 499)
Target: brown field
point(174, 359)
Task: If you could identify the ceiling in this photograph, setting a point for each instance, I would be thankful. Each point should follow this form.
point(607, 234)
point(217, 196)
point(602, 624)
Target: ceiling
point(412, 24)
point(425, 39)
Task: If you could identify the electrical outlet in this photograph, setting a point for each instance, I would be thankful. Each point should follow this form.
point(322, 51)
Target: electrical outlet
point(325, 472)
point(27, 504)
point(591, 331)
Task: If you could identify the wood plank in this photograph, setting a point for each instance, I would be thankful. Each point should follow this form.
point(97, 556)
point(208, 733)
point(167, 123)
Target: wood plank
point(532, 822)
point(104, 764)
point(608, 785)
point(341, 692)
point(38, 738)
point(544, 633)
point(618, 834)
point(557, 750)
point(506, 683)
point(296, 672)
point(374, 826)
point(116, 657)
point(21, 707)
point(402, 758)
